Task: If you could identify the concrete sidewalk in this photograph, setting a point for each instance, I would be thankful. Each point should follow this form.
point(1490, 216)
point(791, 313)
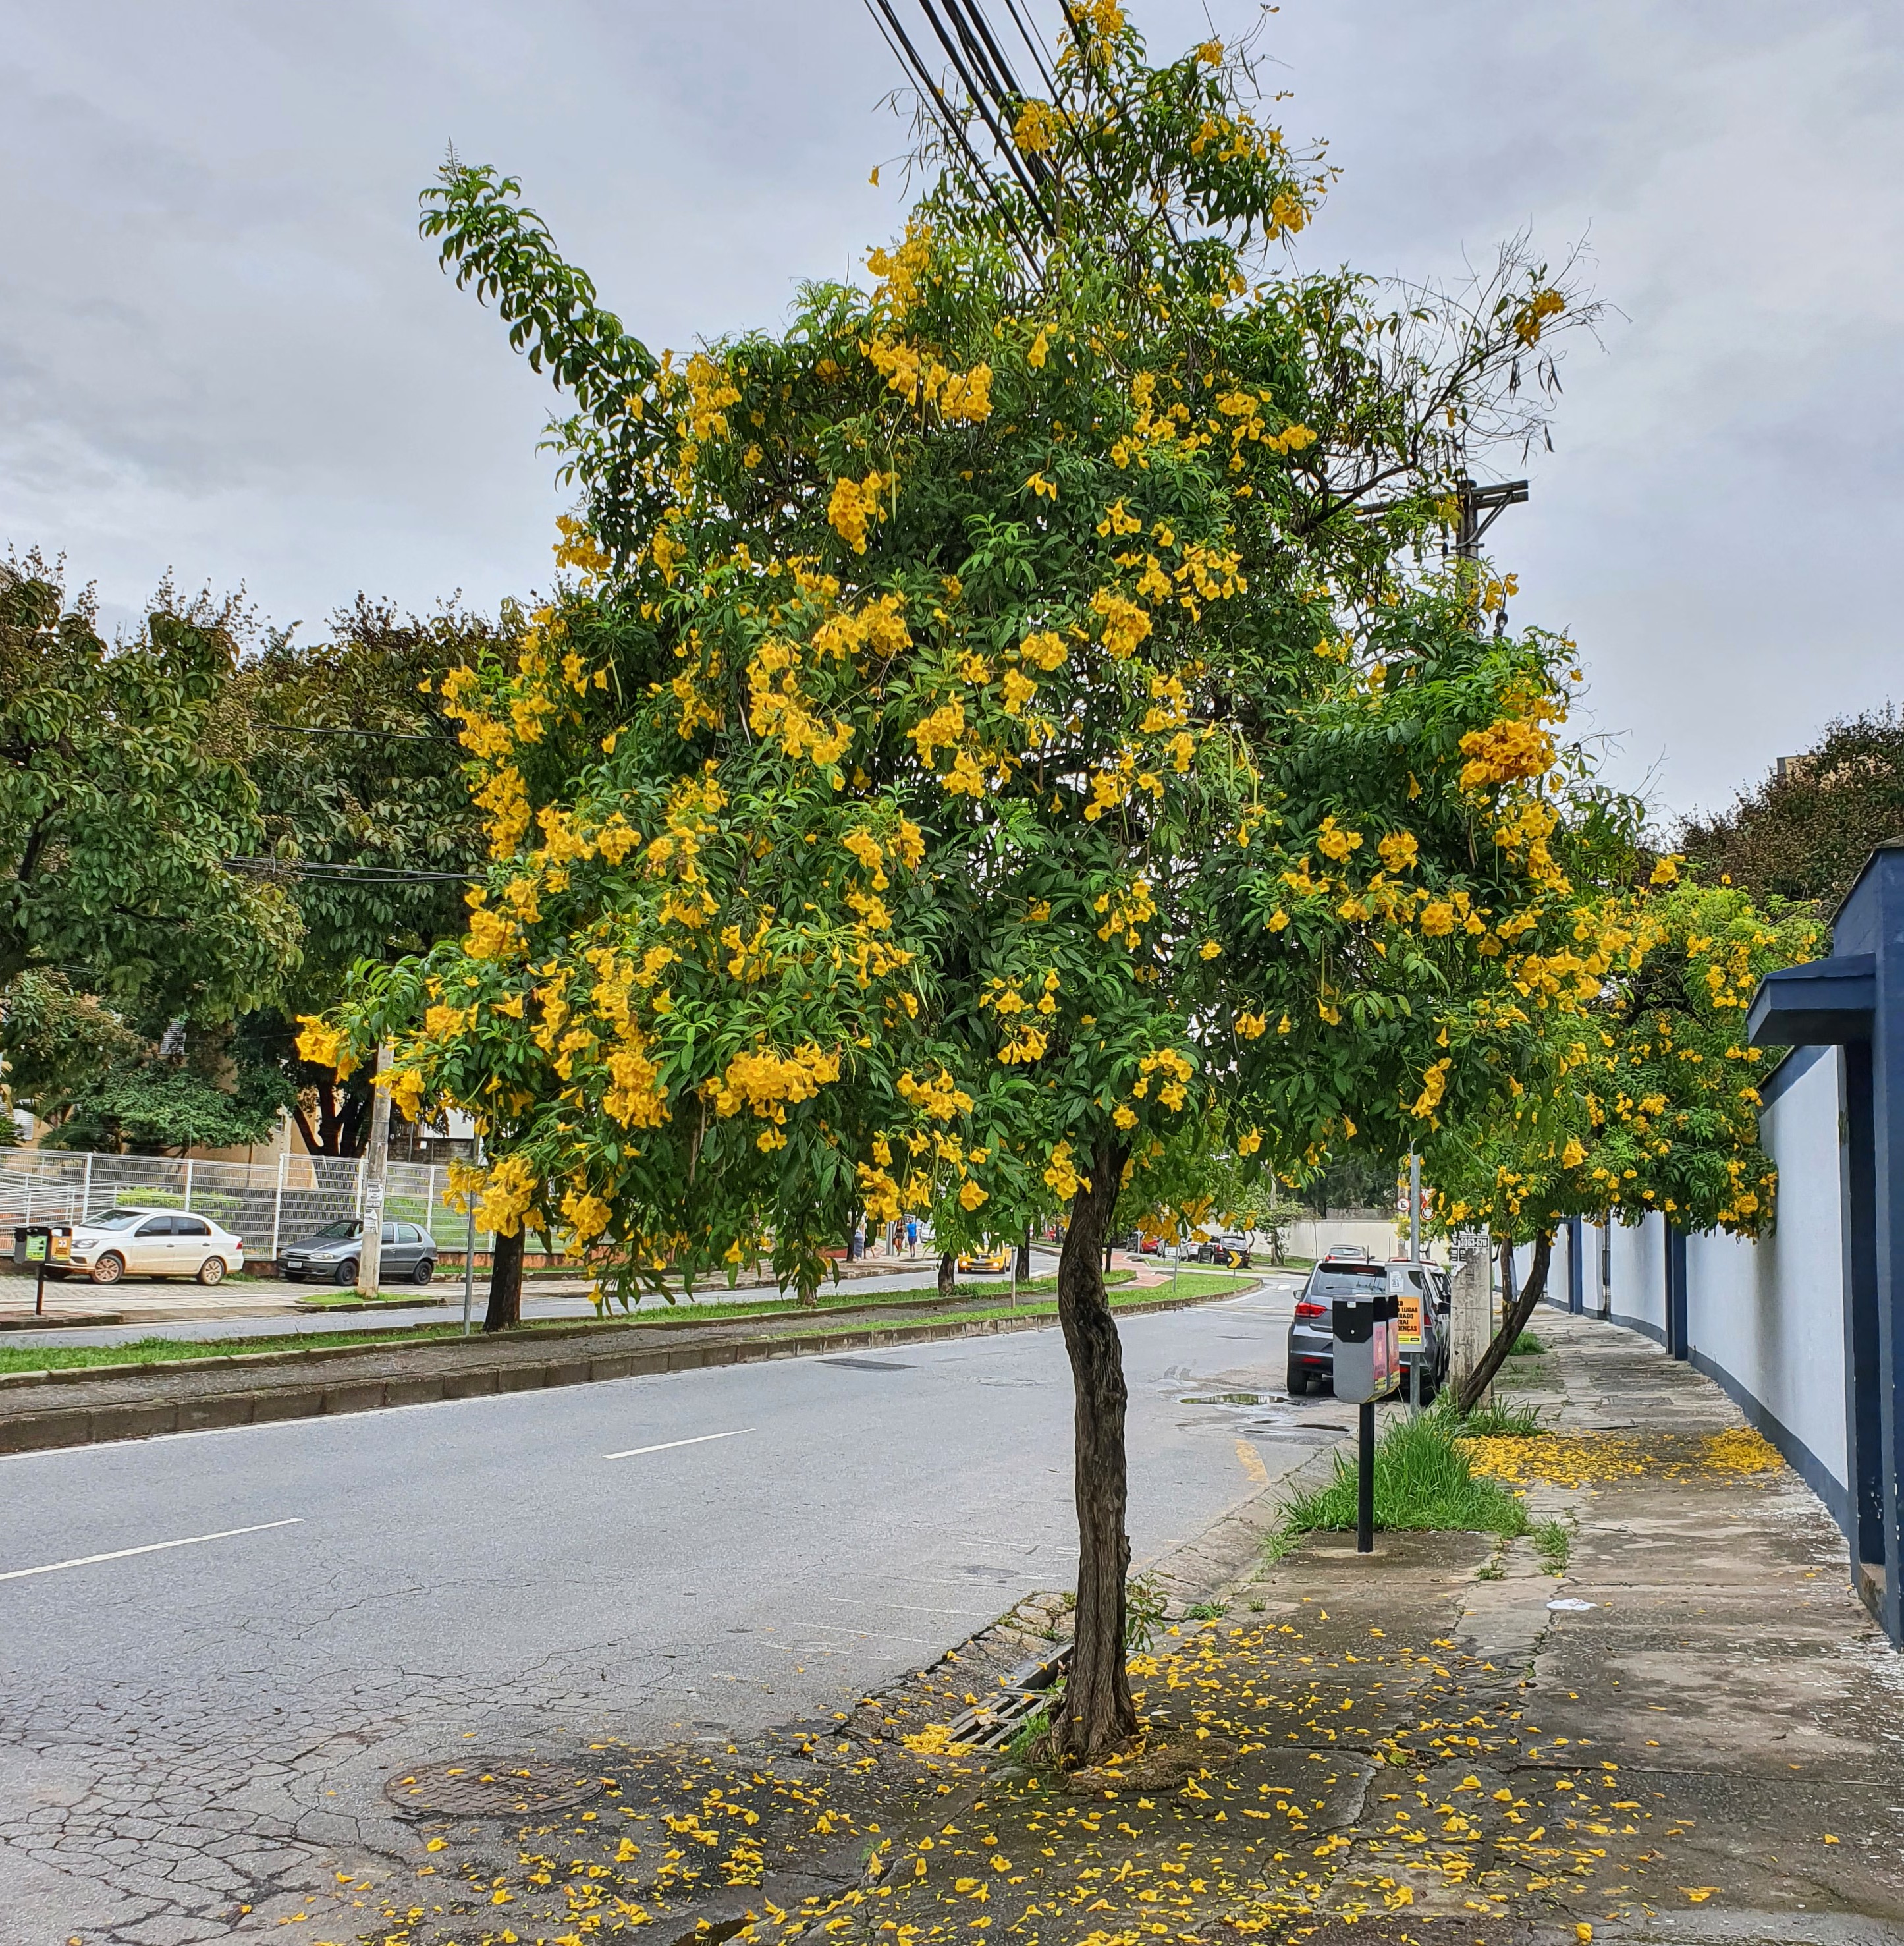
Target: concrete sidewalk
point(1692, 1733)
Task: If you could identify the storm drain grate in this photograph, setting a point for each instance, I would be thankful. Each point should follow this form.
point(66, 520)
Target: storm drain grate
point(871, 1364)
point(494, 1787)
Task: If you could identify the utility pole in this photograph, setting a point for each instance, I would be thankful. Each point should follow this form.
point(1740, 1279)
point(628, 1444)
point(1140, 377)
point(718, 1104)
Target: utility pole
point(1480, 507)
point(1420, 1282)
point(376, 1159)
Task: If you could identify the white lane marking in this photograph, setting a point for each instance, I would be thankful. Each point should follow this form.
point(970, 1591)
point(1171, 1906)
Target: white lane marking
point(153, 1547)
point(668, 1445)
point(859, 1634)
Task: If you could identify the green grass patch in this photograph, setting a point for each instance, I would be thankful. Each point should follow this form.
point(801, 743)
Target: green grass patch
point(1527, 1346)
point(1423, 1480)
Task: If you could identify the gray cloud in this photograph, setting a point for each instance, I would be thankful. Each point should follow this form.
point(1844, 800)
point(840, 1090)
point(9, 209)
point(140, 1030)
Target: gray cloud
point(222, 348)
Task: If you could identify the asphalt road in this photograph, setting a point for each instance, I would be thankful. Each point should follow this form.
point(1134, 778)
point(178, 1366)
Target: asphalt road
point(195, 1726)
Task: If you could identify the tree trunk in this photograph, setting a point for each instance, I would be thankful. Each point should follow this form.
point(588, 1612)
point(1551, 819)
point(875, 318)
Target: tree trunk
point(949, 1274)
point(505, 1281)
point(1098, 1715)
point(1513, 1322)
point(1025, 1256)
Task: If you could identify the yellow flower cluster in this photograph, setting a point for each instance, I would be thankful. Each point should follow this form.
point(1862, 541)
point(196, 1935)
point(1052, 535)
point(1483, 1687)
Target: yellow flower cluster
point(1509, 748)
point(585, 1213)
point(777, 708)
point(765, 1082)
point(962, 397)
point(879, 628)
point(855, 504)
point(939, 1099)
point(508, 1195)
point(1335, 842)
point(1061, 1173)
point(1125, 625)
point(325, 1046)
point(1176, 1070)
point(900, 269)
point(1126, 913)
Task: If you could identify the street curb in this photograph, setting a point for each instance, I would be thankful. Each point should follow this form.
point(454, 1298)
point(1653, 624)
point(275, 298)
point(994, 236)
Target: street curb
point(146, 1419)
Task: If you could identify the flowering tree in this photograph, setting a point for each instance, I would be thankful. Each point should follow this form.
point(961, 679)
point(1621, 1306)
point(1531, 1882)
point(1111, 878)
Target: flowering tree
point(1645, 1100)
point(993, 729)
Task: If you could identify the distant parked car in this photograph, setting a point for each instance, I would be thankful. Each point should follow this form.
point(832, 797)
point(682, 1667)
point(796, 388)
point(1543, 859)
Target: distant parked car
point(1347, 1253)
point(1150, 1246)
point(1232, 1248)
point(408, 1253)
point(128, 1240)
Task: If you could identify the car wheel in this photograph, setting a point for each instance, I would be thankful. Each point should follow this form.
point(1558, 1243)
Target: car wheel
point(109, 1268)
point(424, 1271)
point(344, 1274)
point(212, 1270)
point(1298, 1380)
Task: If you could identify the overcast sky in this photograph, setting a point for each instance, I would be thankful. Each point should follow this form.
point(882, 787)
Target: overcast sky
point(224, 351)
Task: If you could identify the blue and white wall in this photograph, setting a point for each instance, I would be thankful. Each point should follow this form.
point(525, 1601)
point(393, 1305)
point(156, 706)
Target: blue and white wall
point(1765, 1319)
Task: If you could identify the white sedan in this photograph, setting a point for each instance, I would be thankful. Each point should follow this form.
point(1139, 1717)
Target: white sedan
point(125, 1241)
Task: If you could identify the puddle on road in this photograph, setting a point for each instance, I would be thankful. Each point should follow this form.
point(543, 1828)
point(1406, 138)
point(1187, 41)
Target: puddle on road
point(1273, 1415)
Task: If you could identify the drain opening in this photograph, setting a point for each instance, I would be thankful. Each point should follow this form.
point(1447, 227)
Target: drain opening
point(494, 1787)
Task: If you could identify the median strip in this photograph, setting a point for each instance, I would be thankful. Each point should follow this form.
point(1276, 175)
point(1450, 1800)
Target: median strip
point(82, 1408)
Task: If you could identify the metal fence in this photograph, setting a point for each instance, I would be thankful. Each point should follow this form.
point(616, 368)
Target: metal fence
point(268, 1204)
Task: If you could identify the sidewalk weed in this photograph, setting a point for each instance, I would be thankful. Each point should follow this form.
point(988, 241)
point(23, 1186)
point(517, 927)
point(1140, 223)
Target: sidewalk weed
point(1553, 1542)
point(1527, 1346)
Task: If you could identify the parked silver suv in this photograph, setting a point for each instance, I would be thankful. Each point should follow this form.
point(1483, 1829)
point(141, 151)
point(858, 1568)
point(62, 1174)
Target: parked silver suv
point(1311, 1339)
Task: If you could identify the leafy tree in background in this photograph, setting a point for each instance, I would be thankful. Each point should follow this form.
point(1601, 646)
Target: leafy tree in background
point(998, 727)
point(1805, 831)
point(123, 792)
point(364, 807)
point(1649, 1101)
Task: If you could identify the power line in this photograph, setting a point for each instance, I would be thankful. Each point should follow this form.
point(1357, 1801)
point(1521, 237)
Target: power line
point(300, 868)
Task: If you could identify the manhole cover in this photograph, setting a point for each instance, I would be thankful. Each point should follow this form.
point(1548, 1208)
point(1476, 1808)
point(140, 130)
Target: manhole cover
point(1228, 1398)
point(497, 1787)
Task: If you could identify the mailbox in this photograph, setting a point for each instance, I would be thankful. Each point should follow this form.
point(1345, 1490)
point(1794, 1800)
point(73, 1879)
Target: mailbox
point(1368, 1361)
point(43, 1244)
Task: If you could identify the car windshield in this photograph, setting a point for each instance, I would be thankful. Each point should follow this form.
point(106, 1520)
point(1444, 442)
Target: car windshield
point(1345, 1280)
point(343, 1227)
point(116, 1219)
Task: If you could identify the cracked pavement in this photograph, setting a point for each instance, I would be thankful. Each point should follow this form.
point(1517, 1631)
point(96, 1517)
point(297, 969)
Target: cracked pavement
point(198, 1737)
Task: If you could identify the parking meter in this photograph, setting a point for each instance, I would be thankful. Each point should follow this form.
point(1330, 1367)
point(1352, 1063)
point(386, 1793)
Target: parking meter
point(39, 1244)
point(1366, 1363)
point(1366, 1357)
point(43, 1244)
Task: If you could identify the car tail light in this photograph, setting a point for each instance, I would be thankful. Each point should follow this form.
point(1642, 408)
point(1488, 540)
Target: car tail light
point(1307, 1310)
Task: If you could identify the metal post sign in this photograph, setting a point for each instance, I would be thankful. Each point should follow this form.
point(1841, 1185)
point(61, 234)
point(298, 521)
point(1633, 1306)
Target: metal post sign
point(1408, 1321)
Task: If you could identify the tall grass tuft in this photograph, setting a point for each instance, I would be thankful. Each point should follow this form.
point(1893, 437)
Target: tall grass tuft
point(1423, 1480)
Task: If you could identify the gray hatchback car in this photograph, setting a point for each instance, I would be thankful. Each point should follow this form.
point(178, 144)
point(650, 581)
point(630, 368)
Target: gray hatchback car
point(408, 1254)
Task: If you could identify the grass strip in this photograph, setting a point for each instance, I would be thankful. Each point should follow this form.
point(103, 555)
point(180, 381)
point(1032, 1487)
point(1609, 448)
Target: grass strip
point(1423, 1481)
point(157, 1351)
